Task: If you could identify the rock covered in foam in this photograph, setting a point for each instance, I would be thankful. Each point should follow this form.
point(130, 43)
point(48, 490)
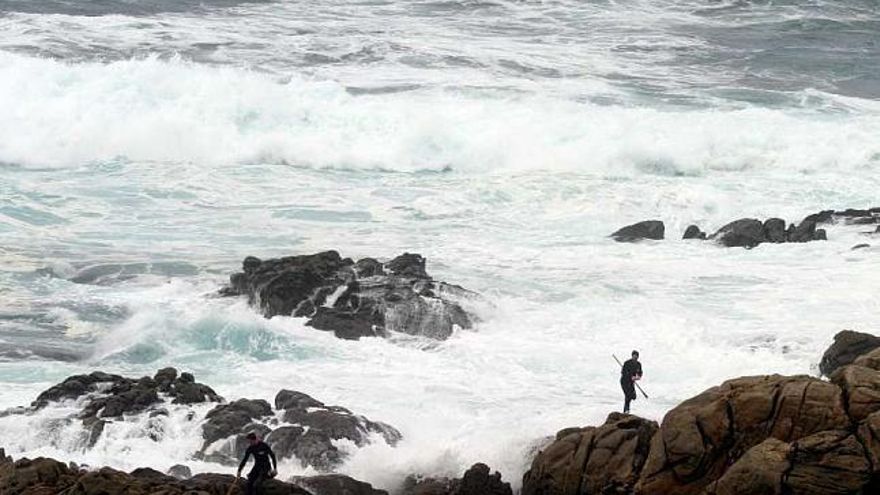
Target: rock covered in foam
point(302, 428)
point(354, 299)
point(478, 480)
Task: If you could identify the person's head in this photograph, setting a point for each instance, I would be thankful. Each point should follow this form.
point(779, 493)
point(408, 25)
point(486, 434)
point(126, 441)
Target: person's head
point(635, 355)
point(252, 438)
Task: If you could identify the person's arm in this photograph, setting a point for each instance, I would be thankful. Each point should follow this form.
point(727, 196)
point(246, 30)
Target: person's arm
point(247, 454)
point(274, 461)
point(638, 371)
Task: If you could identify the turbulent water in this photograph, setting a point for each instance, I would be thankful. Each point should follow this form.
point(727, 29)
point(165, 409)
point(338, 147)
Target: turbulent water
point(147, 146)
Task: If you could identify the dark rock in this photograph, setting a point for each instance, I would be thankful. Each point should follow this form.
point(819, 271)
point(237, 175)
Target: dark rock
point(165, 378)
point(855, 212)
point(774, 230)
point(230, 419)
point(824, 216)
point(648, 229)
point(694, 232)
point(820, 235)
point(804, 232)
point(478, 481)
point(291, 399)
point(745, 232)
point(354, 300)
point(860, 246)
point(408, 265)
point(348, 325)
point(865, 221)
point(877, 230)
point(336, 484)
point(180, 472)
point(323, 424)
point(848, 345)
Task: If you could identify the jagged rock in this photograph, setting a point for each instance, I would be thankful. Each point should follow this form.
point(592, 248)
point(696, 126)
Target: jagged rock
point(774, 230)
point(408, 265)
point(745, 232)
point(848, 345)
point(593, 460)
point(44, 476)
point(336, 484)
point(861, 386)
point(804, 232)
point(354, 300)
point(694, 232)
point(180, 472)
point(760, 471)
point(230, 419)
point(478, 480)
point(699, 438)
point(648, 229)
point(315, 425)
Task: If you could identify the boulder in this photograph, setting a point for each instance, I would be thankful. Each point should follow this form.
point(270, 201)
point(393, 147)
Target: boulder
point(848, 345)
point(774, 230)
point(478, 480)
point(230, 419)
point(179, 471)
point(804, 232)
point(694, 232)
point(699, 438)
point(745, 232)
point(354, 299)
point(313, 426)
point(335, 484)
point(593, 460)
point(648, 229)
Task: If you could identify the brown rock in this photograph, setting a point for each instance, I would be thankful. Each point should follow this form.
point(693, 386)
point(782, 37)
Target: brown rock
point(847, 347)
point(828, 463)
point(701, 437)
point(861, 388)
point(591, 460)
point(758, 472)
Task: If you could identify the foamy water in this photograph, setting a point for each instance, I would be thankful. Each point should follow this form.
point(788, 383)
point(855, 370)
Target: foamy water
point(160, 144)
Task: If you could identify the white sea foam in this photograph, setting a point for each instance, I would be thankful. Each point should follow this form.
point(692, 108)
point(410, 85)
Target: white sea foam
point(170, 111)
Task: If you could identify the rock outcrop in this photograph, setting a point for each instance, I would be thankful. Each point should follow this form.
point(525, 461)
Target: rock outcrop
point(298, 427)
point(752, 435)
point(301, 428)
point(847, 346)
point(44, 476)
point(354, 299)
point(693, 232)
point(750, 232)
point(648, 229)
point(478, 480)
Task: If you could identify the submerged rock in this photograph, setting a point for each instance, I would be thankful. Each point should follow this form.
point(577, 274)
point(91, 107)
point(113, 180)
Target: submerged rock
point(745, 232)
point(478, 480)
point(354, 299)
point(648, 229)
point(693, 232)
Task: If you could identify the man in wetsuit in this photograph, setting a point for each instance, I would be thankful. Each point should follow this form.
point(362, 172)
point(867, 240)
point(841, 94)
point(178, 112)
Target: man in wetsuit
point(261, 470)
point(629, 375)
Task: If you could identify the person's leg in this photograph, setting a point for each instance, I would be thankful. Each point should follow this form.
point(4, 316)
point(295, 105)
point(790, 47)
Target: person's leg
point(252, 482)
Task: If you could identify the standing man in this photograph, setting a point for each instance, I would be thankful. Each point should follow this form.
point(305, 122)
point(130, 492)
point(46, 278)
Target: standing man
point(629, 375)
point(261, 470)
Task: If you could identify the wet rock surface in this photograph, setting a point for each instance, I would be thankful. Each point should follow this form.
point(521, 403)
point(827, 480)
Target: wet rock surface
point(352, 299)
point(44, 476)
point(750, 435)
point(478, 480)
point(301, 428)
point(846, 348)
point(648, 229)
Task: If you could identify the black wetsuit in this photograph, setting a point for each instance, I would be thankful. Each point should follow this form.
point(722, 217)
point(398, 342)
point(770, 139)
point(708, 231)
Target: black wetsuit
point(630, 369)
point(261, 452)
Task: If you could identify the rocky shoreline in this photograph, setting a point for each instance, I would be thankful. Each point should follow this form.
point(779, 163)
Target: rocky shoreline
point(751, 232)
point(758, 435)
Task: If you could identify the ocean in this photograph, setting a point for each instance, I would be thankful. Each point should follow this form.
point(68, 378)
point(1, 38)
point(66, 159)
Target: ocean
point(148, 146)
